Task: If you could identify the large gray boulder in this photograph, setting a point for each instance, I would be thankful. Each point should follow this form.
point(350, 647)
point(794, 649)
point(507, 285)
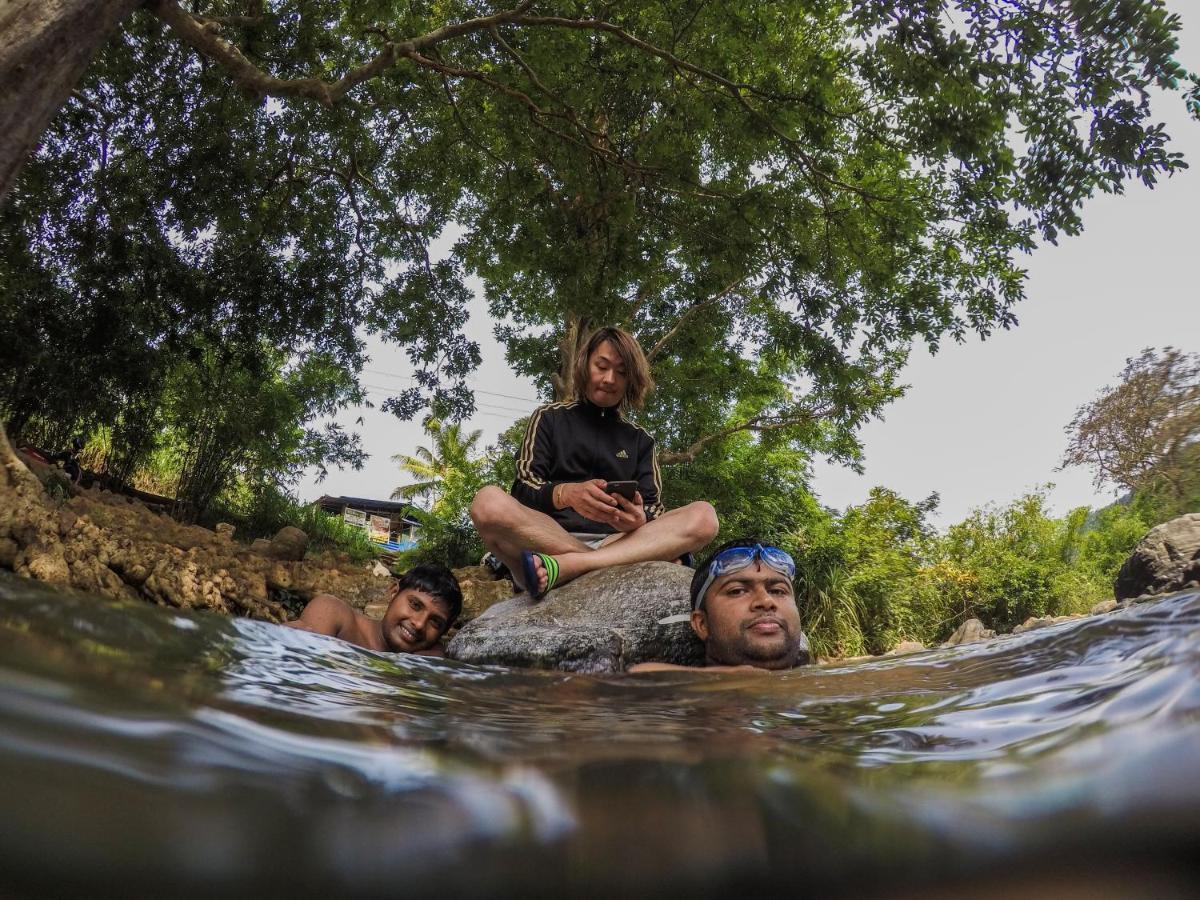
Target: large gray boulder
point(1166, 559)
point(604, 621)
point(600, 622)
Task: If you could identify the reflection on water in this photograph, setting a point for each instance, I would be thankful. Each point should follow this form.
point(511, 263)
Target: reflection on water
point(143, 749)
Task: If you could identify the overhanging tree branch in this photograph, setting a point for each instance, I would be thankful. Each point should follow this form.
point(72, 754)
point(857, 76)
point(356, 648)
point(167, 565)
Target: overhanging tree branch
point(760, 424)
point(687, 317)
point(206, 41)
point(201, 34)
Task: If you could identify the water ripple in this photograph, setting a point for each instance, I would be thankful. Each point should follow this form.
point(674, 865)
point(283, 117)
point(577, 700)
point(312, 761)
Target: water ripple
point(187, 749)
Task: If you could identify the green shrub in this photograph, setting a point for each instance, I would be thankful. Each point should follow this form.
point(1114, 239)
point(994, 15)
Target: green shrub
point(878, 574)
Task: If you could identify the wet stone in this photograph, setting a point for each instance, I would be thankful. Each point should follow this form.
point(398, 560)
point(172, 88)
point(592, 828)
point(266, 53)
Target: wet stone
point(905, 647)
point(1163, 561)
point(604, 621)
point(969, 632)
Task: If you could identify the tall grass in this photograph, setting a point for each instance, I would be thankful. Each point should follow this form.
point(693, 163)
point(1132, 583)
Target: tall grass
point(261, 513)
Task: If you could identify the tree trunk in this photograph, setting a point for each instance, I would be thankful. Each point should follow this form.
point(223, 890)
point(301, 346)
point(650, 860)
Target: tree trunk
point(45, 45)
point(575, 332)
point(13, 472)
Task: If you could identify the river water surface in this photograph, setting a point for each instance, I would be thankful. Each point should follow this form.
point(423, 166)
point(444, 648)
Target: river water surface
point(147, 752)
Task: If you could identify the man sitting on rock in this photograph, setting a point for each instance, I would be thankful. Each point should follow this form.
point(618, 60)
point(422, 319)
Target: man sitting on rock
point(587, 493)
point(424, 602)
point(744, 610)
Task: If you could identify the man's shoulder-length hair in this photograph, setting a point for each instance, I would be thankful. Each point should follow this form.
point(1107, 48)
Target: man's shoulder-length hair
point(637, 367)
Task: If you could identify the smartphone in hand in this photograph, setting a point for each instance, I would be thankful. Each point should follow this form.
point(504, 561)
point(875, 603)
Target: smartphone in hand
point(625, 488)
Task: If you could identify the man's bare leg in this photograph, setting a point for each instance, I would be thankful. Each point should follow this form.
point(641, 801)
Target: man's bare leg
point(668, 537)
point(507, 527)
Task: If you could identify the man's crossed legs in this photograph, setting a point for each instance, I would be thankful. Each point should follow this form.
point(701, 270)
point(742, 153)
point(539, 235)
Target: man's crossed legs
point(508, 528)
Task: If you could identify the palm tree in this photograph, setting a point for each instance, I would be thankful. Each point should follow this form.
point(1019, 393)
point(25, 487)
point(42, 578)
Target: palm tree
point(452, 453)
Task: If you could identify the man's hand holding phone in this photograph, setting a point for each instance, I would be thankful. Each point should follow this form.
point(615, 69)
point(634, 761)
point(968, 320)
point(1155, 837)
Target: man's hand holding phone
point(630, 514)
point(592, 500)
point(589, 499)
point(624, 489)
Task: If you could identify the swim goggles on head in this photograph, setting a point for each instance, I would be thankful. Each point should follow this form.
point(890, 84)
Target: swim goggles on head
point(735, 559)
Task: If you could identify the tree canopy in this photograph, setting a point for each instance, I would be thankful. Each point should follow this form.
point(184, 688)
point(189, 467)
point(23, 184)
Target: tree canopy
point(777, 198)
point(1143, 434)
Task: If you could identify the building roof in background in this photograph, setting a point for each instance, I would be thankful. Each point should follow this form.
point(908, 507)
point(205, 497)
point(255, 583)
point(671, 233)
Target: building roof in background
point(393, 508)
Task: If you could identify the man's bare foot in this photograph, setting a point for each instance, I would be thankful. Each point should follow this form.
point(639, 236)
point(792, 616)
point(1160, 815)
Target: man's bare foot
point(540, 571)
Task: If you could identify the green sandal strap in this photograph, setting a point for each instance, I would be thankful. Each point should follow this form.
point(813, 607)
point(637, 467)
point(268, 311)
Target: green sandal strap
point(551, 565)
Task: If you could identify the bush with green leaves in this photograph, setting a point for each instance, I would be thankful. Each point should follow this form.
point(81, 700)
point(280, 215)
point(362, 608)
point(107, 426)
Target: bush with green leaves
point(879, 574)
point(1025, 562)
point(858, 576)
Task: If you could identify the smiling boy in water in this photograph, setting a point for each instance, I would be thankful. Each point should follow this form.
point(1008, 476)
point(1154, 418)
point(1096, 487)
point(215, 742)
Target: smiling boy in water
point(423, 603)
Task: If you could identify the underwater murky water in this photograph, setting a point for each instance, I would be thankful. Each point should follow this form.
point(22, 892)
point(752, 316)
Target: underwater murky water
point(146, 751)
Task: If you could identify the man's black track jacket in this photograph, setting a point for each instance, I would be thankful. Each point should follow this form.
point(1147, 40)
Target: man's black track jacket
point(577, 441)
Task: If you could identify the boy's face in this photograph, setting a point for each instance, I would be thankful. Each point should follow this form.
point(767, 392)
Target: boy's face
point(414, 620)
point(750, 617)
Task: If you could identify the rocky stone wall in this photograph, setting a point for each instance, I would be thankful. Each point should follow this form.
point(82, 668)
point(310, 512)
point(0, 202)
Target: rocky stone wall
point(112, 545)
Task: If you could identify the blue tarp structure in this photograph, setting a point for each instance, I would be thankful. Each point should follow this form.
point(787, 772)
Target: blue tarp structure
point(396, 546)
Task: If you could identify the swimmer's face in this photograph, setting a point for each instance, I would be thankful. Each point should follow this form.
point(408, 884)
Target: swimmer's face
point(414, 620)
point(607, 379)
point(749, 617)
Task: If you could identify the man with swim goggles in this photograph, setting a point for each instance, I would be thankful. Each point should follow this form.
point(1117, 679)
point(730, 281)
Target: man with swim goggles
point(744, 609)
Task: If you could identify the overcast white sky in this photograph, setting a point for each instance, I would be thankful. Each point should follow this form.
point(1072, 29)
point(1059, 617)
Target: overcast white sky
point(983, 421)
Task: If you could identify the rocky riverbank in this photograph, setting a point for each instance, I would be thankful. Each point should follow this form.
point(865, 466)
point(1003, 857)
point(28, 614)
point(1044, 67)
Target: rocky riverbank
point(108, 544)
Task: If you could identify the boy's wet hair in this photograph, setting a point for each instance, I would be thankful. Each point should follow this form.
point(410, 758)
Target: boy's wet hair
point(436, 581)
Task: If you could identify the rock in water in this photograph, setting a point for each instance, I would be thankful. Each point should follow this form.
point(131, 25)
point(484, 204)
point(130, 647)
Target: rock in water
point(905, 647)
point(1165, 560)
point(604, 621)
point(969, 632)
point(600, 622)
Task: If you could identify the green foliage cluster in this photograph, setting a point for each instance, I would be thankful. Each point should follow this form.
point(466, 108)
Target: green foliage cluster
point(221, 422)
point(879, 574)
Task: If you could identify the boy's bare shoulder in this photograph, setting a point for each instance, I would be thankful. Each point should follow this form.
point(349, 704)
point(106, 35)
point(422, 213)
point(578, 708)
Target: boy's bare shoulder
point(326, 614)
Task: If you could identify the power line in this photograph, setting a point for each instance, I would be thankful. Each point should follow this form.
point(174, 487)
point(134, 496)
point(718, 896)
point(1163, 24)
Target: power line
point(383, 391)
point(410, 379)
point(380, 391)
